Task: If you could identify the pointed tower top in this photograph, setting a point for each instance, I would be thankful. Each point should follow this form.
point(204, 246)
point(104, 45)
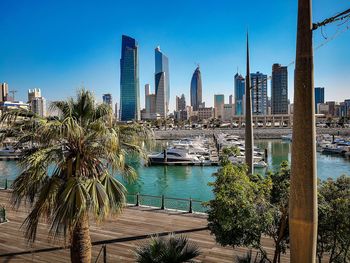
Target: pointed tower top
point(248, 67)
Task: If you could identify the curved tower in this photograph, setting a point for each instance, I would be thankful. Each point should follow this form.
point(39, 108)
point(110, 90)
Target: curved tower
point(196, 89)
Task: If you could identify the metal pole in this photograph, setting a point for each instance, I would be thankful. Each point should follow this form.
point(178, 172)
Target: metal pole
point(6, 186)
point(137, 199)
point(162, 205)
point(190, 210)
point(303, 191)
point(105, 253)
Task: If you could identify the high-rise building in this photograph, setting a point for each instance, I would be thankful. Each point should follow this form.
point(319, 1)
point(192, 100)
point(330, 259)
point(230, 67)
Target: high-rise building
point(239, 94)
point(116, 111)
point(38, 106)
point(259, 93)
point(162, 84)
point(230, 99)
point(319, 97)
point(229, 112)
point(129, 80)
point(4, 91)
point(107, 99)
point(196, 89)
point(147, 89)
point(150, 105)
point(180, 103)
point(279, 90)
point(219, 101)
point(33, 93)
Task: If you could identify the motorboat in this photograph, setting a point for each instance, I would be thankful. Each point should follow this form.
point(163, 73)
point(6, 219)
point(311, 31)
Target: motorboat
point(10, 151)
point(287, 137)
point(260, 164)
point(173, 155)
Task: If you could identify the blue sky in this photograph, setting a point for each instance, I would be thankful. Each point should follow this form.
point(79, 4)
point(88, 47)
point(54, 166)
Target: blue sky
point(59, 45)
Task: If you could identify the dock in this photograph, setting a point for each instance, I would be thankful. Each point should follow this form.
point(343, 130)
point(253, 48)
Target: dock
point(121, 235)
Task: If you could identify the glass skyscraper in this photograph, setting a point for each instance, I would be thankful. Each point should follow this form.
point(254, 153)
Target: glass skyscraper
point(319, 96)
point(219, 101)
point(259, 93)
point(239, 94)
point(162, 84)
point(129, 80)
point(196, 89)
point(279, 90)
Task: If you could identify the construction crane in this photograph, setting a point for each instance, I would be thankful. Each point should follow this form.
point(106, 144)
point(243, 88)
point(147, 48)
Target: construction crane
point(13, 94)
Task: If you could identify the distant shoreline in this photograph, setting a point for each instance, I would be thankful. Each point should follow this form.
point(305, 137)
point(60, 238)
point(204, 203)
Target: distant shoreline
point(260, 133)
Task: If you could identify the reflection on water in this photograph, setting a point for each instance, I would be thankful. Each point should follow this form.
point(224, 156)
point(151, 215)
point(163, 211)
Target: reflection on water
point(192, 181)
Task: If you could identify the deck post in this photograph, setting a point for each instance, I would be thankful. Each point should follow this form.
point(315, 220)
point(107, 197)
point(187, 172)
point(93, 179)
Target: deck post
point(190, 210)
point(162, 205)
point(137, 199)
point(105, 253)
point(6, 184)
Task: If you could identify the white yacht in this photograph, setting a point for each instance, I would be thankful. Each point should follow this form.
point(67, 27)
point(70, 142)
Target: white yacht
point(173, 155)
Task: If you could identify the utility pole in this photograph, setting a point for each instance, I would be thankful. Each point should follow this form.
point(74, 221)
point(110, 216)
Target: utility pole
point(248, 119)
point(303, 191)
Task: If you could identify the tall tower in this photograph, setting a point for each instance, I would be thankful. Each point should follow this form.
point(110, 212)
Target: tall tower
point(239, 94)
point(129, 80)
point(279, 89)
point(259, 93)
point(4, 91)
point(162, 84)
point(196, 89)
point(319, 97)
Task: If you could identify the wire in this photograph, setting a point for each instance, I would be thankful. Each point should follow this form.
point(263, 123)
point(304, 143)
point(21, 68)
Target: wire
point(341, 16)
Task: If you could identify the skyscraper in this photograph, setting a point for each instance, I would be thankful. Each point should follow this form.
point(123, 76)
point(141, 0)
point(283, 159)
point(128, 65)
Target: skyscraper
point(239, 94)
point(162, 84)
point(180, 103)
point(196, 89)
point(33, 93)
point(147, 89)
point(219, 101)
point(107, 99)
point(319, 96)
point(4, 91)
point(279, 90)
point(259, 93)
point(38, 106)
point(129, 80)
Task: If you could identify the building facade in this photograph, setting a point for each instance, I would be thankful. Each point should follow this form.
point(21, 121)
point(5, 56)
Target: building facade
point(180, 103)
point(129, 80)
point(259, 93)
point(229, 112)
point(4, 92)
point(107, 99)
point(239, 86)
point(38, 106)
point(162, 84)
point(319, 96)
point(196, 89)
point(219, 101)
point(33, 93)
point(279, 89)
point(206, 113)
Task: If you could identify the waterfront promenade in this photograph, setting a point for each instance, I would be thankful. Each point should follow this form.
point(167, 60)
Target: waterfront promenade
point(259, 133)
point(122, 235)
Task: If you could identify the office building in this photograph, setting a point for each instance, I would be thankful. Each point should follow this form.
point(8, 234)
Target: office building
point(4, 91)
point(107, 99)
point(180, 103)
point(150, 106)
point(162, 84)
point(129, 80)
point(230, 99)
point(196, 89)
point(206, 113)
point(239, 86)
point(319, 96)
point(219, 101)
point(259, 93)
point(147, 89)
point(279, 89)
point(228, 112)
point(116, 111)
point(33, 93)
point(38, 106)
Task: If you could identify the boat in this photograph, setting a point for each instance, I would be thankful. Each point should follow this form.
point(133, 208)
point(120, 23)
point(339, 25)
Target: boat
point(260, 164)
point(287, 137)
point(10, 151)
point(332, 149)
point(173, 155)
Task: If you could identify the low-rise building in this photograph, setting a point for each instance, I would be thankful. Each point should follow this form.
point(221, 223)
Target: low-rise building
point(205, 113)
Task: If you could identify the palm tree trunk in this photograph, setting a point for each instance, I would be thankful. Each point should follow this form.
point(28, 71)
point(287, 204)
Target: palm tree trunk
point(80, 251)
point(303, 191)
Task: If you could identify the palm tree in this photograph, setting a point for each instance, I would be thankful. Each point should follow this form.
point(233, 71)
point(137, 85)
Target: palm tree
point(67, 173)
point(172, 249)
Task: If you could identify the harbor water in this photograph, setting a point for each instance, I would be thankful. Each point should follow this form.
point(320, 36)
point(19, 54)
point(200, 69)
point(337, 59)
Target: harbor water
point(192, 181)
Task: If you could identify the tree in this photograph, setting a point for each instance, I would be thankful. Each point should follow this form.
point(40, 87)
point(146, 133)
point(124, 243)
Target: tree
point(172, 249)
point(237, 216)
point(68, 172)
point(334, 223)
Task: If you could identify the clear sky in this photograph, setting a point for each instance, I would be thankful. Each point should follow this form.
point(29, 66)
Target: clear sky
point(58, 45)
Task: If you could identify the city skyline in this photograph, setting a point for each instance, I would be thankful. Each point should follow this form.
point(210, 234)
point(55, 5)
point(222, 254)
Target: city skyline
point(59, 67)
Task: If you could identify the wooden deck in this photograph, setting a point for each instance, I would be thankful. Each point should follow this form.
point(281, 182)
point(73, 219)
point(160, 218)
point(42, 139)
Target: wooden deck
point(123, 235)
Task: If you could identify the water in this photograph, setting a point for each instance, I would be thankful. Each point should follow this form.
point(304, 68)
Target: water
point(192, 181)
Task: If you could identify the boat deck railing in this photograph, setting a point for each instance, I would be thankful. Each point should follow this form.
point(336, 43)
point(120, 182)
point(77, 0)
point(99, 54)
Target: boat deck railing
point(161, 202)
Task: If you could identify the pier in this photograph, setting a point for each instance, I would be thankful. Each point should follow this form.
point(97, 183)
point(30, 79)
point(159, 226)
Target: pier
point(120, 235)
